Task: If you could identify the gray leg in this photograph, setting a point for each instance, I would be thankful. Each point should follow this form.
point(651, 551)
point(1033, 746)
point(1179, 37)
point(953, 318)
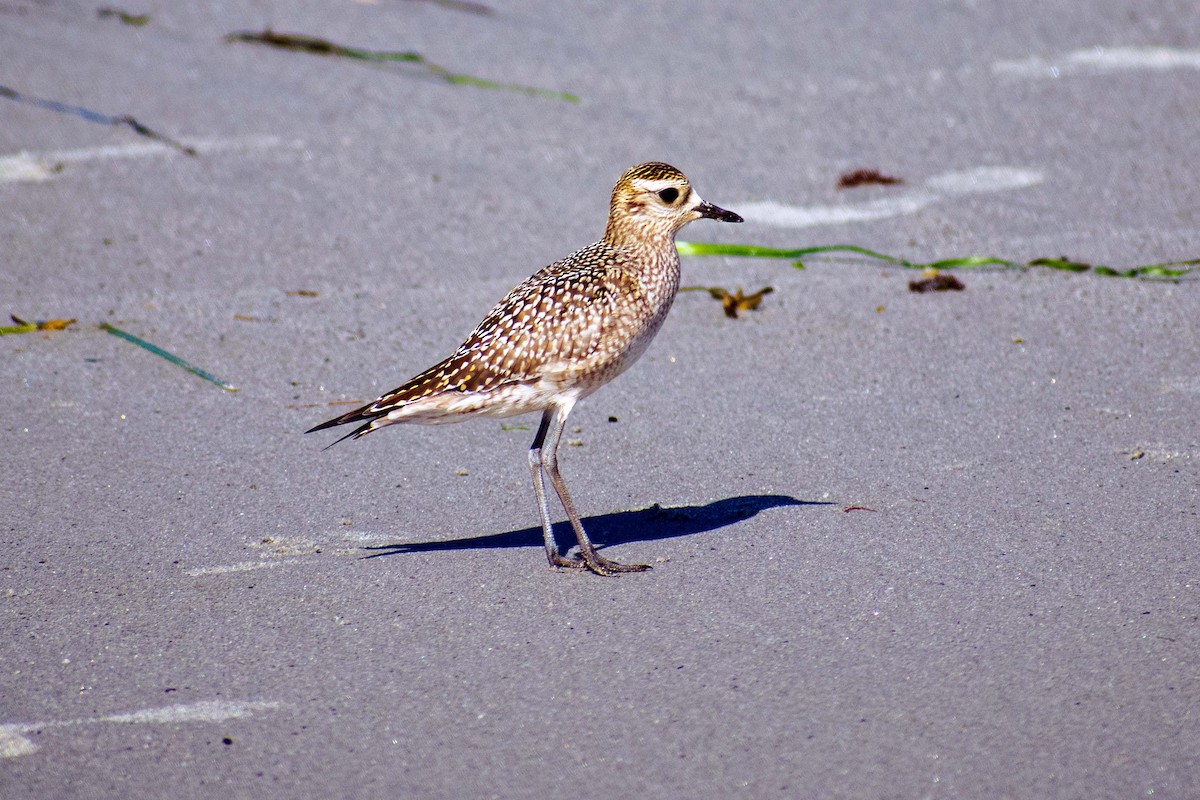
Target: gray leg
point(539, 488)
point(553, 421)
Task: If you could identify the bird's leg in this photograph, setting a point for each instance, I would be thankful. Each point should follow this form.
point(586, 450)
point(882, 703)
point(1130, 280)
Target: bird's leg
point(553, 421)
point(539, 488)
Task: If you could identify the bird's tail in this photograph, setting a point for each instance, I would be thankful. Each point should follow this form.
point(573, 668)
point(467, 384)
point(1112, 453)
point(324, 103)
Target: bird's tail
point(375, 414)
point(354, 416)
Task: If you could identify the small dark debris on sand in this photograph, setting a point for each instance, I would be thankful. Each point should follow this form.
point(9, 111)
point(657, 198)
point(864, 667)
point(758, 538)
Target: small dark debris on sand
point(861, 177)
point(937, 283)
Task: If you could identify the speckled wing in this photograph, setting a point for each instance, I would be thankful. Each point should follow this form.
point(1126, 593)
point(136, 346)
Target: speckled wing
point(548, 329)
point(555, 317)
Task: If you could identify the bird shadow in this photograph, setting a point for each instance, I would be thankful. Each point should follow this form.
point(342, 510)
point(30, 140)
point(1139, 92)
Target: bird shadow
point(620, 527)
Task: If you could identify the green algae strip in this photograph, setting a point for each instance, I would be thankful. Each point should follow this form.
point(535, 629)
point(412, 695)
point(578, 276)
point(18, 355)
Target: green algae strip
point(134, 20)
point(464, 5)
point(323, 47)
point(22, 326)
point(1170, 270)
point(174, 359)
point(97, 117)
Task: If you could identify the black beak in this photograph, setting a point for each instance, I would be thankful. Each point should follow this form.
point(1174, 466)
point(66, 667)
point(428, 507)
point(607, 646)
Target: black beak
point(707, 209)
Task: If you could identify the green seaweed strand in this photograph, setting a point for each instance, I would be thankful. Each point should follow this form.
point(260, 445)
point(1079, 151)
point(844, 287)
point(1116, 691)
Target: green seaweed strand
point(174, 359)
point(1170, 270)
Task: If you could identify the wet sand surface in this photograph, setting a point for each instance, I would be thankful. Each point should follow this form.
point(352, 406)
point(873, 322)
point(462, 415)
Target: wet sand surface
point(905, 545)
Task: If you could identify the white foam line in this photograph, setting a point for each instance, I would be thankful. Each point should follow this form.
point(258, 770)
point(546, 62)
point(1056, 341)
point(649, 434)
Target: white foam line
point(13, 744)
point(244, 566)
point(939, 187)
point(1098, 60)
point(26, 166)
point(366, 536)
point(204, 711)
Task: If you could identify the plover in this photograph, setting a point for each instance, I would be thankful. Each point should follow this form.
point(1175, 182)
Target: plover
point(566, 331)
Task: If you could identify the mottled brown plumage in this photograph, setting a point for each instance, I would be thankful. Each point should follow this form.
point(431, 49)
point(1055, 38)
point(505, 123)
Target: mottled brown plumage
point(560, 335)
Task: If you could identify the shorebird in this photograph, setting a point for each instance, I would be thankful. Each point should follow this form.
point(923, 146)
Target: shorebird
point(566, 331)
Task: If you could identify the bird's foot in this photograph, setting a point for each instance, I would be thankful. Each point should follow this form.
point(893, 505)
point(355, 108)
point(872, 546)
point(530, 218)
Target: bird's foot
point(596, 563)
point(603, 566)
point(557, 560)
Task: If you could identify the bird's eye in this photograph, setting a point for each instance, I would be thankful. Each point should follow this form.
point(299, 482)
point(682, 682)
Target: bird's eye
point(669, 195)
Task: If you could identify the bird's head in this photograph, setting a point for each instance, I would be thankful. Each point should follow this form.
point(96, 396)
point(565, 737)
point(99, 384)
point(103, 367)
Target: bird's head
point(655, 200)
